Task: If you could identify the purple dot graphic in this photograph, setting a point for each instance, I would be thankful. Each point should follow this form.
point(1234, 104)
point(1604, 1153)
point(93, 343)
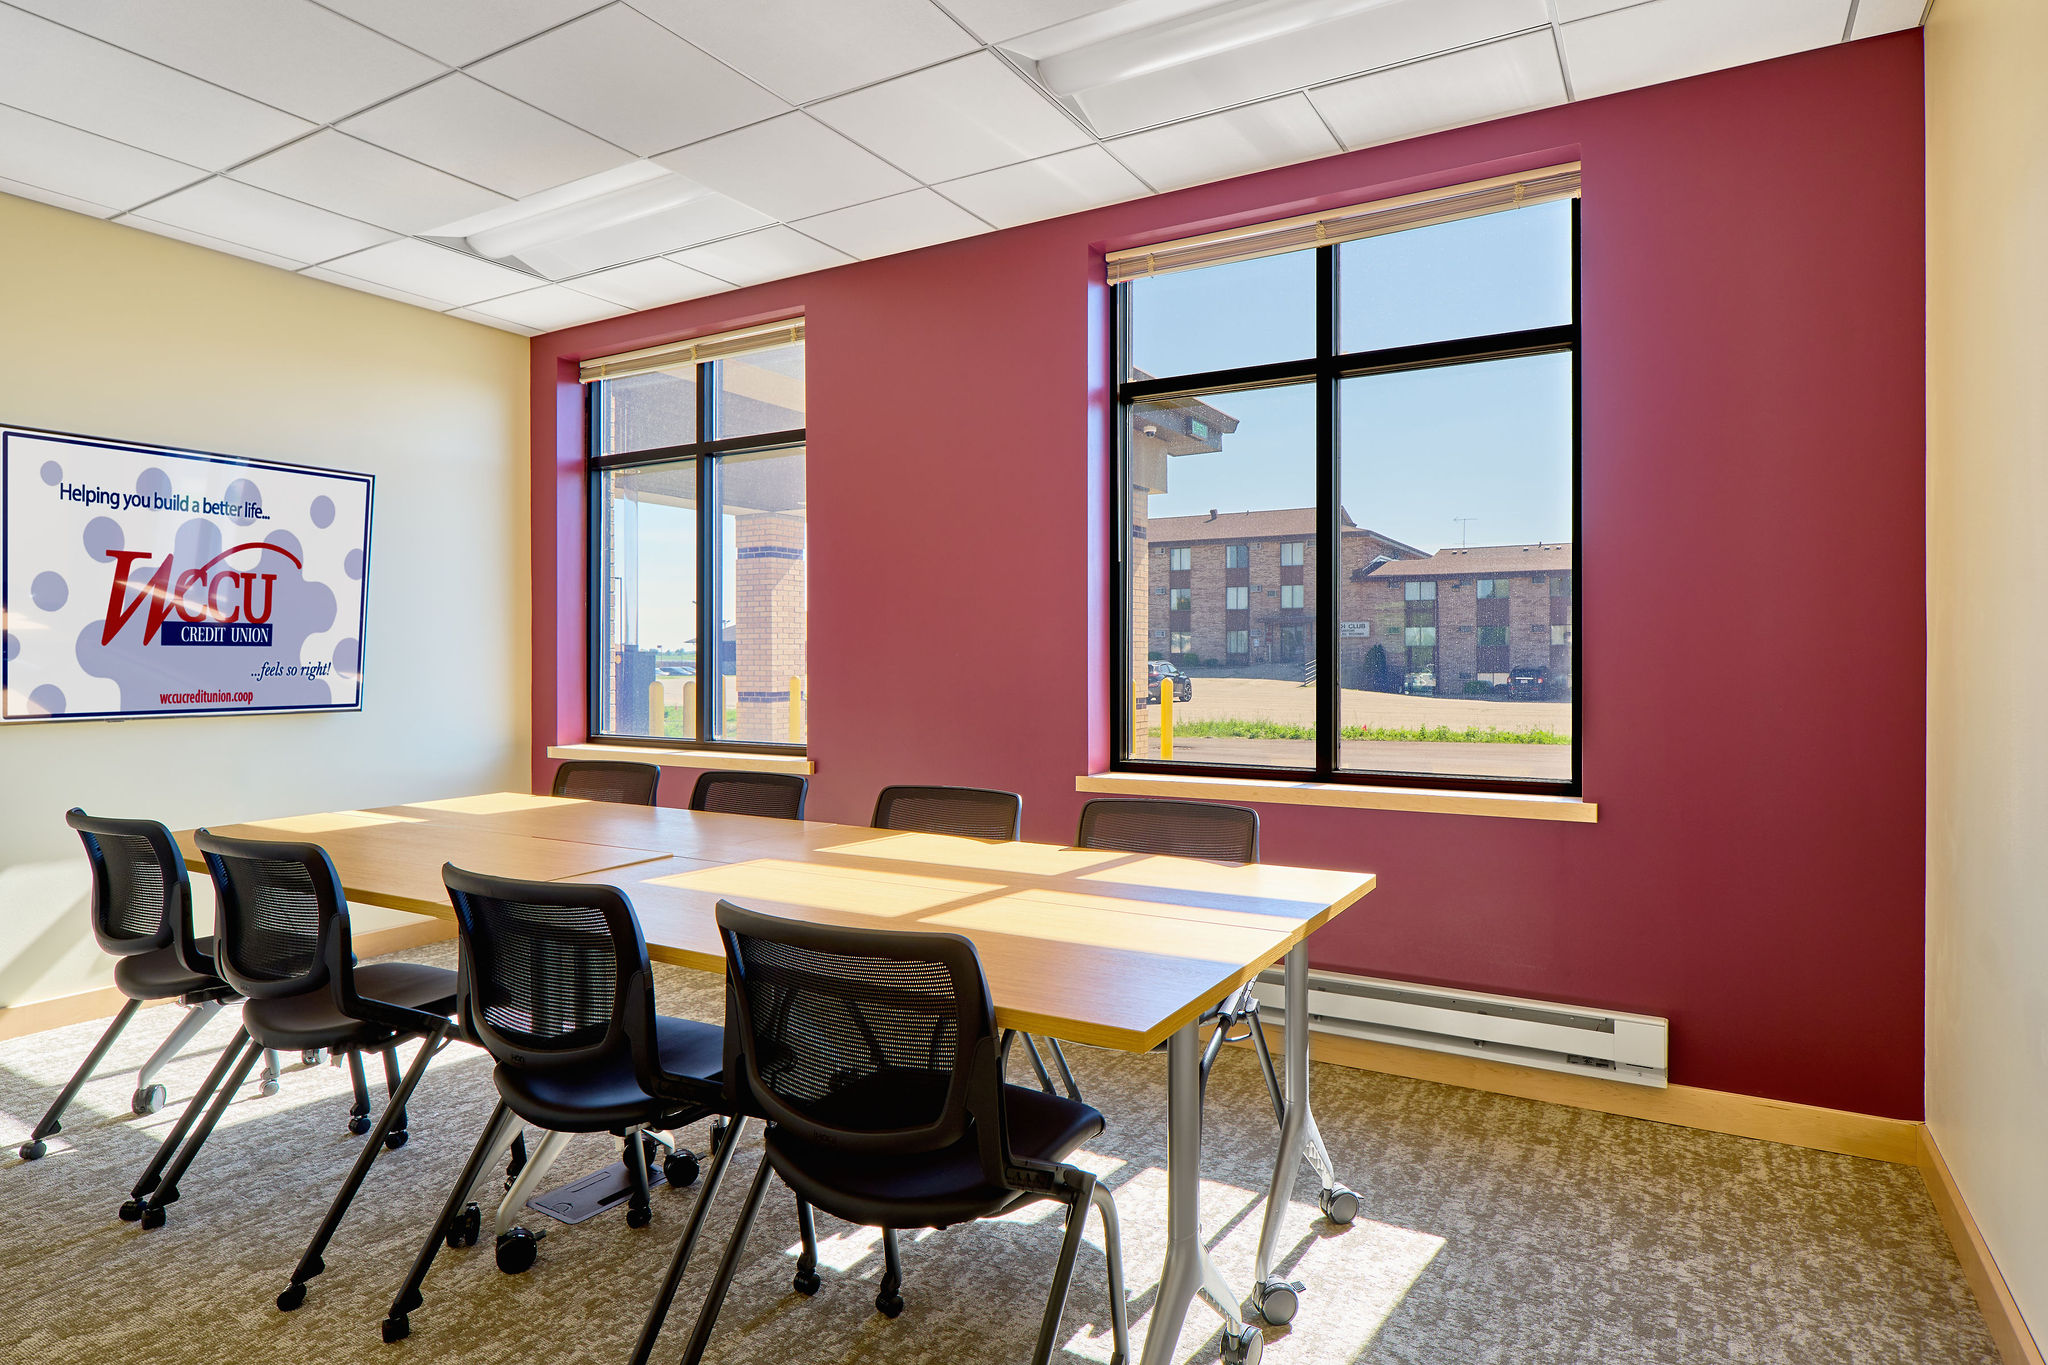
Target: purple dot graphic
point(11, 646)
point(241, 490)
point(347, 657)
point(323, 511)
point(352, 564)
point(152, 481)
point(49, 591)
point(53, 473)
point(286, 541)
point(101, 535)
point(49, 697)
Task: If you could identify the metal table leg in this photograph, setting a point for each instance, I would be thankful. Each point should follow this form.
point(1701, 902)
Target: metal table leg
point(1276, 1299)
point(1189, 1270)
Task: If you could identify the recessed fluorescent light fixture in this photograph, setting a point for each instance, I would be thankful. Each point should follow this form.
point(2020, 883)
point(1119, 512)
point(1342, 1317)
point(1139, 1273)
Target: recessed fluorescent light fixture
point(1141, 37)
point(514, 234)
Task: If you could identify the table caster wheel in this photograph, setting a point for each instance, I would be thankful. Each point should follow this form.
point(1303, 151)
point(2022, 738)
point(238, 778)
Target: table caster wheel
point(1277, 1301)
point(294, 1295)
point(517, 1251)
point(131, 1210)
point(396, 1329)
point(1243, 1348)
point(152, 1217)
point(358, 1124)
point(1339, 1205)
point(889, 1305)
point(395, 1139)
point(33, 1151)
point(679, 1168)
point(147, 1100)
point(806, 1282)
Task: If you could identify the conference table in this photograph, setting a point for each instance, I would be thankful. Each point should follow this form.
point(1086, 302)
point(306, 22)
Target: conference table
point(1118, 950)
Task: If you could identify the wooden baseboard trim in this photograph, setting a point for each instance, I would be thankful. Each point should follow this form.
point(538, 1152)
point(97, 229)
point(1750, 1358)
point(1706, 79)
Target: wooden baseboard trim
point(2016, 1343)
point(40, 1016)
point(1716, 1111)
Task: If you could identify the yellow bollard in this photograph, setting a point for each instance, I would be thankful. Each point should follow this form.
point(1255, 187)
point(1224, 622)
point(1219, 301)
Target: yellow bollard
point(690, 709)
point(796, 708)
point(657, 708)
point(1166, 718)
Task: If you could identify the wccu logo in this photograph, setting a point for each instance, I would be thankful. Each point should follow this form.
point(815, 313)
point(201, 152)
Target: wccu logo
point(195, 595)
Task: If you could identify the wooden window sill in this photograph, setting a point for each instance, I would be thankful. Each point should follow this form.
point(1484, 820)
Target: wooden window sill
point(723, 759)
point(1286, 793)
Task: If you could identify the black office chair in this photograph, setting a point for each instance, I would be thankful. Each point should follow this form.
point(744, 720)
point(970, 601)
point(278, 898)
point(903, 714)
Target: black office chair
point(142, 918)
point(604, 779)
point(872, 1055)
point(778, 796)
point(556, 984)
point(1192, 829)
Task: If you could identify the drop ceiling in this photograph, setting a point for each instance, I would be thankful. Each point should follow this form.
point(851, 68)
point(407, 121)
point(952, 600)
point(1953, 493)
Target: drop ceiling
point(535, 164)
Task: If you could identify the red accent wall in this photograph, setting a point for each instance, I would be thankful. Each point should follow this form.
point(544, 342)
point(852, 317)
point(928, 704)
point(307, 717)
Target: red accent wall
point(1752, 640)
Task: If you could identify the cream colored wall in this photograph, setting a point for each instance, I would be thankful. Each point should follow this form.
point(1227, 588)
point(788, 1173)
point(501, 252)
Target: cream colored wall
point(1987, 581)
point(110, 331)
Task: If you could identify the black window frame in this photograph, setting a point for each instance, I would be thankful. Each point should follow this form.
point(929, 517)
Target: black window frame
point(707, 451)
point(1326, 370)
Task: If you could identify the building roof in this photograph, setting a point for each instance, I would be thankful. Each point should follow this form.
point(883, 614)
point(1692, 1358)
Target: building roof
point(1279, 523)
point(1462, 561)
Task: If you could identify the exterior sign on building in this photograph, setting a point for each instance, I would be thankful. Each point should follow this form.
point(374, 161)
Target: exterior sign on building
point(139, 580)
point(1354, 630)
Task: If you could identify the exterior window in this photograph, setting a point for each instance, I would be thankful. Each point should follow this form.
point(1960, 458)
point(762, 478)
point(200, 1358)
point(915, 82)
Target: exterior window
point(1183, 642)
point(1404, 405)
point(699, 558)
point(1180, 599)
point(1180, 558)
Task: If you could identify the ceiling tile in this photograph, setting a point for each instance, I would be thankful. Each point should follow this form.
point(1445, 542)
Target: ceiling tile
point(771, 254)
point(1374, 37)
point(321, 272)
point(1235, 142)
point(49, 70)
point(249, 253)
point(56, 200)
point(1444, 92)
point(806, 49)
point(460, 31)
point(235, 212)
point(471, 315)
point(547, 308)
point(335, 171)
point(903, 222)
point(1065, 182)
point(998, 21)
point(432, 272)
point(1886, 16)
point(468, 129)
point(1670, 39)
point(789, 167)
point(84, 167)
point(704, 218)
point(622, 76)
point(947, 121)
point(649, 284)
point(293, 54)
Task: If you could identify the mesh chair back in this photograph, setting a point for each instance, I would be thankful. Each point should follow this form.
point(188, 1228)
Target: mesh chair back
point(973, 812)
point(1180, 829)
point(280, 922)
point(549, 970)
point(863, 1039)
point(602, 779)
point(140, 896)
point(778, 796)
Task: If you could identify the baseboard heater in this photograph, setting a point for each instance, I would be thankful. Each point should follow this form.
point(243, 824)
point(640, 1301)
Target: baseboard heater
point(1616, 1047)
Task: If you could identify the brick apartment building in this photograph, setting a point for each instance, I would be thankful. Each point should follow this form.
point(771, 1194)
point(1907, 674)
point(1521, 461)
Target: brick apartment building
point(1465, 617)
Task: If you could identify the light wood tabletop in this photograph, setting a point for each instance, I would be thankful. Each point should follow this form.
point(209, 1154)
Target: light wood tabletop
point(1113, 949)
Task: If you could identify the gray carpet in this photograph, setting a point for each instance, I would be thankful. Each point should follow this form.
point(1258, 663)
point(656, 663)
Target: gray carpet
point(1493, 1229)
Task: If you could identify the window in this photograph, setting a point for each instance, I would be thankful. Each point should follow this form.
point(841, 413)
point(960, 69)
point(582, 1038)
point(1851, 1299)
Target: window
point(1180, 599)
point(1183, 642)
point(1404, 401)
point(698, 554)
point(1180, 558)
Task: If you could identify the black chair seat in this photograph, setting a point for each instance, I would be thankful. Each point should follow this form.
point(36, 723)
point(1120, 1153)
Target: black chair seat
point(932, 1189)
point(159, 975)
point(299, 1022)
point(601, 1098)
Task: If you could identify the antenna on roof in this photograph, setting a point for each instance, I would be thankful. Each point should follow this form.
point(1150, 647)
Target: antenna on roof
point(1461, 528)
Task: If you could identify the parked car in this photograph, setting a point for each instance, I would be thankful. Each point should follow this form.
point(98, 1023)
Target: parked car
point(1530, 682)
point(1183, 685)
point(1420, 683)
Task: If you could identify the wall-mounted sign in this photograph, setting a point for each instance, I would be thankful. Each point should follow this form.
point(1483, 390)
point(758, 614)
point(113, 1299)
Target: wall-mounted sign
point(139, 580)
point(1354, 630)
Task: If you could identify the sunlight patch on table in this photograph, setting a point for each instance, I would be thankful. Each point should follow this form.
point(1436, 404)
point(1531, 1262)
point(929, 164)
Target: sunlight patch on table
point(1099, 922)
point(494, 803)
point(849, 890)
point(330, 821)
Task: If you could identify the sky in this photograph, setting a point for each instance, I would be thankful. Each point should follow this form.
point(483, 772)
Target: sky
point(1489, 442)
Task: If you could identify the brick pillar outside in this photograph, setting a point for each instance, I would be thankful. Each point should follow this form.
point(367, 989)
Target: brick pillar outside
point(768, 626)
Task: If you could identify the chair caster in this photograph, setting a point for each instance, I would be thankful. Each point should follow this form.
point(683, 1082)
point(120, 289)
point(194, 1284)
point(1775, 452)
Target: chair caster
point(719, 1128)
point(147, 1100)
point(517, 1251)
point(396, 1329)
point(1339, 1205)
point(1277, 1301)
point(807, 1283)
point(638, 1217)
point(294, 1295)
point(268, 1087)
point(310, 1057)
point(359, 1124)
point(680, 1169)
point(1243, 1348)
point(33, 1151)
point(466, 1227)
point(395, 1139)
point(889, 1305)
point(152, 1217)
point(131, 1210)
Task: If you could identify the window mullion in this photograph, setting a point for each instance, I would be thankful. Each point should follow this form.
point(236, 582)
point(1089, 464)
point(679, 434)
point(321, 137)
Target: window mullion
point(710, 679)
point(1329, 522)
